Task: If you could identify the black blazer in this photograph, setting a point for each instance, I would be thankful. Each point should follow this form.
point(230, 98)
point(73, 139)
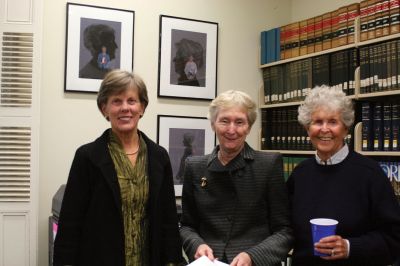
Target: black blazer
point(90, 229)
point(240, 207)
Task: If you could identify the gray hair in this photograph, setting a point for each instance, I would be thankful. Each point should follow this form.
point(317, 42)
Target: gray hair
point(117, 81)
point(333, 99)
point(233, 98)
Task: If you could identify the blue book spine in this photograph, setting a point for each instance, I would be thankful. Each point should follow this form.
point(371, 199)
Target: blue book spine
point(269, 46)
point(263, 47)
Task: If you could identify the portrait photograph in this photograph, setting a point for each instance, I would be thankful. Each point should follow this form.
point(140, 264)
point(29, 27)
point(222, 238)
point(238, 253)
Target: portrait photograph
point(182, 137)
point(187, 58)
point(98, 39)
point(98, 50)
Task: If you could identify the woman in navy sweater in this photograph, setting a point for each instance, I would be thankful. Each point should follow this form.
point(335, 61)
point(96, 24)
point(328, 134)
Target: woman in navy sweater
point(342, 185)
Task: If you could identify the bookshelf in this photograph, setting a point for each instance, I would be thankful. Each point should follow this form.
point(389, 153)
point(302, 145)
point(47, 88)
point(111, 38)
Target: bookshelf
point(357, 97)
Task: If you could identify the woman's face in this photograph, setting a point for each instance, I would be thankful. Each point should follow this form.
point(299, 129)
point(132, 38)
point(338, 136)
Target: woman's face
point(124, 111)
point(232, 127)
point(326, 132)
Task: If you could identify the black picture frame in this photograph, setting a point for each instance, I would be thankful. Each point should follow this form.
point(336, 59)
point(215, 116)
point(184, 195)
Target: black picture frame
point(187, 59)
point(98, 39)
point(184, 136)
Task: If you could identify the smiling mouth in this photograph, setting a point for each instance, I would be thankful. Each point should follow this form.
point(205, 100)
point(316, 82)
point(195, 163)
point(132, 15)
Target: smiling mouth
point(325, 138)
point(125, 118)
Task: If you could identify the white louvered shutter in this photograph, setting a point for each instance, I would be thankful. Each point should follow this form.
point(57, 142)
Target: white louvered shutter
point(20, 36)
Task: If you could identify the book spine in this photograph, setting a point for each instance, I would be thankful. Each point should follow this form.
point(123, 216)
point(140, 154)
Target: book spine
point(395, 126)
point(394, 9)
point(342, 26)
point(371, 18)
point(282, 38)
point(385, 18)
point(326, 31)
point(366, 131)
point(303, 37)
point(378, 127)
point(353, 11)
point(310, 35)
point(296, 40)
point(318, 34)
point(378, 19)
point(387, 127)
point(267, 85)
point(364, 20)
point(335, 28)
point(393, 65)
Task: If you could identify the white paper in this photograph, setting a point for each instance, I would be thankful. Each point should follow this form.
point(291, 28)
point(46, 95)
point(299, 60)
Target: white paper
point(204, 261)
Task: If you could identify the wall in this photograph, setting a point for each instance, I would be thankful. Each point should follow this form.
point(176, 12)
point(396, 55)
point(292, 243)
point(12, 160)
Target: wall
point(302, 9)
point(71, 119)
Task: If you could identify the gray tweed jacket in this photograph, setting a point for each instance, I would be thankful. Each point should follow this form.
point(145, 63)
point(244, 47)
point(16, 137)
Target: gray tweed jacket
point(242, 206)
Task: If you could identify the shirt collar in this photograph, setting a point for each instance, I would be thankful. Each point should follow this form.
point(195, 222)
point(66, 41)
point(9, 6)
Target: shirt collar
point(336, 158)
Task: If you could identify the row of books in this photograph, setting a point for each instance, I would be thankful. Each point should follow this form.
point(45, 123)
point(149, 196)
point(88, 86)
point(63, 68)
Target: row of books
point(392, 171)
point(270, 47)
point(380, 126)
point(380, 67)
point(336, 28)
point(332, 29)
point(282, 131)
point(293, 81)
point(289, 163)
point(378, 18)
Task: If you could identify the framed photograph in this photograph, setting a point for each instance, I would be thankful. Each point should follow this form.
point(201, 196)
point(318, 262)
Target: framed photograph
point(184, 136)
point(98, 39)
point(187, 60)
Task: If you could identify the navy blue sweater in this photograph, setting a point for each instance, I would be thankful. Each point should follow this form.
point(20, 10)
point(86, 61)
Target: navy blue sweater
point(355, 192)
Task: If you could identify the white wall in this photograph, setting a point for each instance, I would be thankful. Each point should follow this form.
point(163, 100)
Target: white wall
point(302, 9)
point(70, 119)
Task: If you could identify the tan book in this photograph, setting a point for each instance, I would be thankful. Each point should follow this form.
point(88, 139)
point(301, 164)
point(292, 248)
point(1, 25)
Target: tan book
point(310, 35)
point(364, 20)
point(353, 11)
point(296, 39)
point(385, 17)
point(342, 26)
point(394, 6)
point(371, 18)
point(378, 18)
point(288, 44)
point(318, 34)
point(335, 28)
point(326, 31)
point(303, 37)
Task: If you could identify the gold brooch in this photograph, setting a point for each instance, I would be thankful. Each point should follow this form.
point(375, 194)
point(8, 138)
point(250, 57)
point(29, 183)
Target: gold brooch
point(203, 182)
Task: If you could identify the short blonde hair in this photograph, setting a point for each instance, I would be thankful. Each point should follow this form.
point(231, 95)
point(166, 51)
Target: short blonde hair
point(333, 99)
point(233, 98)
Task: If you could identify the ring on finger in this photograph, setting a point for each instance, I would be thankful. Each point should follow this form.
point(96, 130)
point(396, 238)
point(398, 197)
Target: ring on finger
point(333, 252)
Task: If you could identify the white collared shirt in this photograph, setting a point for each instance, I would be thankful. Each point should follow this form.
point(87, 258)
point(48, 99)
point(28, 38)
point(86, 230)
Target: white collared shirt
point(336, 158)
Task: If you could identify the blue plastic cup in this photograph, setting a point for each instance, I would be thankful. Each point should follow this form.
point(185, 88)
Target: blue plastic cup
point(320, 228)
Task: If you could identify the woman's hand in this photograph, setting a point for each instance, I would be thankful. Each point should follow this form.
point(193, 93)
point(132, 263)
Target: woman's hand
point(334, 246)
point(204, 250)
point(242, 259)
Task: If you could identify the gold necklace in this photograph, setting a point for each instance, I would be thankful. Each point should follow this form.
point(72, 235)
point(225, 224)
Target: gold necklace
point(133, 153)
